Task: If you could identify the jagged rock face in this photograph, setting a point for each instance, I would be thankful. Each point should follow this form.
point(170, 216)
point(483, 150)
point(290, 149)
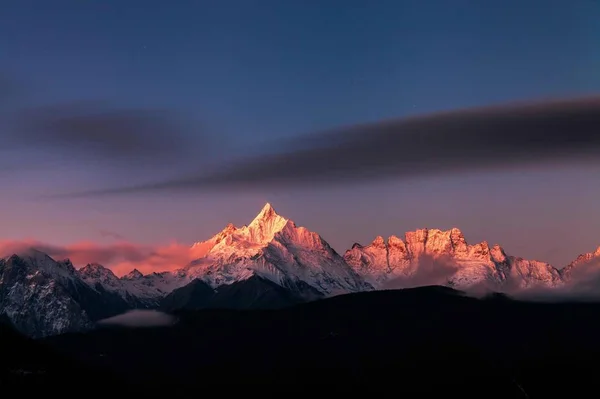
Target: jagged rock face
point(271, 247)
point(201, 248)
point(137, 290)
point(133, 275)
point(468, 265)
point(531, 273)
point(44, 297)
point(581, 265)
point(373, 261)
point(270, 258)
point(96, 273)
point(40, 296)
point(274, 248)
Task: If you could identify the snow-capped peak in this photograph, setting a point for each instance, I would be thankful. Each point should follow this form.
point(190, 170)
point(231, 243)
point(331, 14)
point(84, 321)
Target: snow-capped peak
point(97, 271)
point(29, 253)
point(459, 263)
point(133, 275)
point(230, 228)
point(378, 242)
point(582, 260)
point(498, 254)
point(41, 262)
point(266, 212)
point(274, 248)
point(265, 225)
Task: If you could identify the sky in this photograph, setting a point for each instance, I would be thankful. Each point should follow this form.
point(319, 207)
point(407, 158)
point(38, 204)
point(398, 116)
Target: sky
point(214, 82)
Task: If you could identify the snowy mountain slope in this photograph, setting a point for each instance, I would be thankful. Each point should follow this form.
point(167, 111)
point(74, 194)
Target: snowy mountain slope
point(274, 248)
point(271, 259)
point(583, 274)
point(44, 297)
point(268, 263)
point(270, 247)
point(589, 259)
point(463, 265)
point(138, 290)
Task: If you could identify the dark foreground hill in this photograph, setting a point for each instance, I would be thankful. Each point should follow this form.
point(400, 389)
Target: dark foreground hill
point(411, 343)
point(29, 366)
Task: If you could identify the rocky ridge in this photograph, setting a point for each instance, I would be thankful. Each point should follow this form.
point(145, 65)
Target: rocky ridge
point(270, 262)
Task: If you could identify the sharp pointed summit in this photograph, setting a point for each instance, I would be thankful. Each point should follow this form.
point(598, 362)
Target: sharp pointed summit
point(271, 250)
point(267, 212)
point(274, 248)
point(132, 275)
point(265, 225)
point(97, 272)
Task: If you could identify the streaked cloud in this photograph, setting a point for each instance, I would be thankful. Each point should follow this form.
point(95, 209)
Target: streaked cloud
point(111, 234)
point(100, 131)
point(498, 137)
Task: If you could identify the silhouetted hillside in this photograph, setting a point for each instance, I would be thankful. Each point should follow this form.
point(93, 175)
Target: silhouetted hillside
point(252, 293)
point(31, 367)
point(422, 341)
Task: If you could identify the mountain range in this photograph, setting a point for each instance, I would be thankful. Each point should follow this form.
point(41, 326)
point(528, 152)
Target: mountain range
point(270, 263)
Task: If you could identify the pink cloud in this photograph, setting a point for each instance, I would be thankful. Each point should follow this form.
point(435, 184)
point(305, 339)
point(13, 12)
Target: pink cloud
point(121, 257)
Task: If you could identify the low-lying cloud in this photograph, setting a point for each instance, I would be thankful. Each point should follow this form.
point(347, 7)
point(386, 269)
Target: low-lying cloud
point(139, 319)
point(440, 143)
point(430, 271)
point(582, 282)
point(120, 257)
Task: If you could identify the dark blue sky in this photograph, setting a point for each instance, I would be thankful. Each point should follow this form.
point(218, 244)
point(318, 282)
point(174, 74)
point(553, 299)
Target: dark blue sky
point(257, 70)
point(264, 68)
